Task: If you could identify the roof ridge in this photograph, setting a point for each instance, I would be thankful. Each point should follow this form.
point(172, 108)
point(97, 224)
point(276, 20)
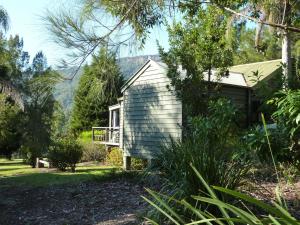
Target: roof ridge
point(261, 62)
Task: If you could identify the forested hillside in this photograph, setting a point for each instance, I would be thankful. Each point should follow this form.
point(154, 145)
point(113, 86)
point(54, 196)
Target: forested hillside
point(65, 91)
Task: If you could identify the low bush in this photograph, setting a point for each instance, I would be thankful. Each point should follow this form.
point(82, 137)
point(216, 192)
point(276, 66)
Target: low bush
point(212, 144)
point(93, 152)
point(257, 142)
point(65, 153)
point(115, 157)
point(288, 172)
point(287, 115)
point(138, 164)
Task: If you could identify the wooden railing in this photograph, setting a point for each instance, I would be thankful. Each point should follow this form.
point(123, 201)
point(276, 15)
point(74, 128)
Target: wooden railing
point(106, 135)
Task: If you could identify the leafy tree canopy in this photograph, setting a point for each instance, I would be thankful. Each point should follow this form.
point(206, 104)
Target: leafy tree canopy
point(10, 124)
point(80, 28)
point(199, 44)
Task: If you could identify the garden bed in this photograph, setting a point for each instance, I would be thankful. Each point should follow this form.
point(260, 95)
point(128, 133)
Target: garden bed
point(109, 202)
point(266, 191)
point(95, 194)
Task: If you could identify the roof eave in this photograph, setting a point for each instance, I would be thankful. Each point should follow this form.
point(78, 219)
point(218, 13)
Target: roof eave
point(132, 78)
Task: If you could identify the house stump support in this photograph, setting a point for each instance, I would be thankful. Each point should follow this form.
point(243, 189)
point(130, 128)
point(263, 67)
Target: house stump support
point(126, 162)
point(37, 163)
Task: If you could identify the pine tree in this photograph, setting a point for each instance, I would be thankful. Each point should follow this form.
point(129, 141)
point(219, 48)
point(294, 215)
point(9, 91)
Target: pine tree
point(99, 87)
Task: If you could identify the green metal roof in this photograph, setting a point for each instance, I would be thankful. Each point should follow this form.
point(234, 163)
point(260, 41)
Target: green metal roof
point(265, 69)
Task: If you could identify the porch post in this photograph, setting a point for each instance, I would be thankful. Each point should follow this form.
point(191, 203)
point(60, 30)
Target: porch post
point(126, 162)
point(37, 163)
point(109, 126)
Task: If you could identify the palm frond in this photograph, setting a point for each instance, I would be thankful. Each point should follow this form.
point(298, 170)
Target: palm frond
point(44, 85)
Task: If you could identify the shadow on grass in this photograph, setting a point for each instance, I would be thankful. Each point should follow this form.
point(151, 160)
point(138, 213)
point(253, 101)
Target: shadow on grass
point(10, 169)
point(12, 164)
point(43, 179)
point(92, 170)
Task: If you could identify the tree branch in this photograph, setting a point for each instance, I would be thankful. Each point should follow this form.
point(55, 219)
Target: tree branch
point(281, 26)
point(284, 12)
point(102, 39)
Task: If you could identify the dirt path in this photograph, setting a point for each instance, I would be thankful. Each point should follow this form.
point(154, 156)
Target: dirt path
point(95, 203)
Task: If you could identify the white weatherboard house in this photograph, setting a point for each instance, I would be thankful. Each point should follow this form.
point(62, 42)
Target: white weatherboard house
point(148, 113)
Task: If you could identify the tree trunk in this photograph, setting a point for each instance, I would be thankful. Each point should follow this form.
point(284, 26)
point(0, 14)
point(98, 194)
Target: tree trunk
point(287, 58)
point(208, 82)
point(73, 168)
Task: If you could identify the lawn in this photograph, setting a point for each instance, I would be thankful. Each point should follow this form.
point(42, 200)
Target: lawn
point(15, 173)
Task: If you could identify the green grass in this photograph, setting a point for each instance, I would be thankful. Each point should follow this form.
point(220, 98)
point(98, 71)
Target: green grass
point(86, 136)
point(17, 174)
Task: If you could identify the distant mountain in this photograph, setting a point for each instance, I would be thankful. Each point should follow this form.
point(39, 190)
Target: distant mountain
point(129, 65)
point(65, 91)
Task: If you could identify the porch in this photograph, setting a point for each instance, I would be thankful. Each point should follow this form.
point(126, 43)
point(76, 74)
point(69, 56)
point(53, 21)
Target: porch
point(106, 135)
point(109, 135)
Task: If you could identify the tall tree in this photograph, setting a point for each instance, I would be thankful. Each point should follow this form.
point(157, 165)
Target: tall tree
point(10, 126)
point(13, 62)
point(71, 30)
point(11, 52)
point(39, 111)
point(98, 88)
point(280, 15)
point(198, 44)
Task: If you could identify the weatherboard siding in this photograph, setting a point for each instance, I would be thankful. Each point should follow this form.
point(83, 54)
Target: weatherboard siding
point(237, 95)
point(151, 114)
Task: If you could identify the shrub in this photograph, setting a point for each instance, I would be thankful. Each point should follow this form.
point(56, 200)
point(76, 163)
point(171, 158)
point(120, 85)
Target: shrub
point(93, 152)
point(115, 157)
point(287, 115)
point(138, 164)
point(65, 153)
point(207, 207)
point(212, 145)
point(257, 142)
point(288, 172)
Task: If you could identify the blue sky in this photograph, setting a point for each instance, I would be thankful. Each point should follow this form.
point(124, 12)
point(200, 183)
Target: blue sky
point(25, 20)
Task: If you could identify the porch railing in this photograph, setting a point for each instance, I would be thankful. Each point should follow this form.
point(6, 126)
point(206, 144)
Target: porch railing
point(106, 135)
